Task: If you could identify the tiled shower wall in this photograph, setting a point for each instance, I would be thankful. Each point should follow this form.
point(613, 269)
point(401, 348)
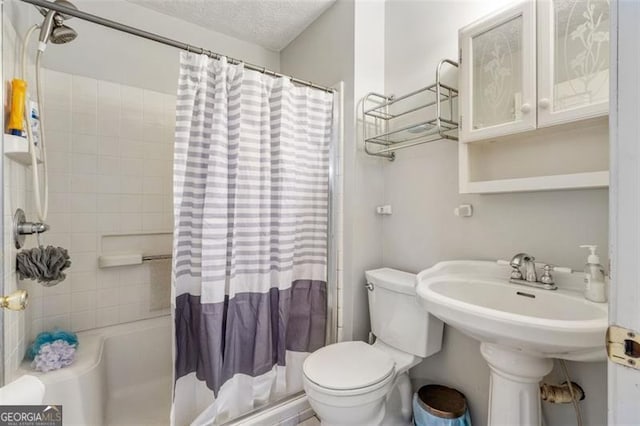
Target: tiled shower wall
point(15, 323)
point(110, 166)
point(15, 339)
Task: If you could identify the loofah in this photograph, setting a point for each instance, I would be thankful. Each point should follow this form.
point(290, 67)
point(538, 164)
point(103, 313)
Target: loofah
point(47, 337)
point(44, 264)
point(53, 356)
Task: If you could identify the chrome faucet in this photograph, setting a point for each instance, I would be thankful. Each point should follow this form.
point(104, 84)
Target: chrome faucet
point(524, 272)
point(527, 261)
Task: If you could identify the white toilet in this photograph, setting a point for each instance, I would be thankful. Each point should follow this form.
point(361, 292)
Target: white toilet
point(353, 383)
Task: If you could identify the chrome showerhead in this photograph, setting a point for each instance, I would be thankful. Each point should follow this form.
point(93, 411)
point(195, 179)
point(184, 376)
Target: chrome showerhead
point(53, 28)
point(62, 34)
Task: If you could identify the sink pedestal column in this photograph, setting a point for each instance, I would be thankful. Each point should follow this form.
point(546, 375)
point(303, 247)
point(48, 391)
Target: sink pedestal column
point(514, 397)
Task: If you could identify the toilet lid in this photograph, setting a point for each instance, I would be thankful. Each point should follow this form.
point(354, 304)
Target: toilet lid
point(348, 365)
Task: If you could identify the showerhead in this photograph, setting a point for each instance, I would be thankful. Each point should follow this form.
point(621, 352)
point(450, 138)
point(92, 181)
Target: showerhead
point(53, 28)
point(62, 34)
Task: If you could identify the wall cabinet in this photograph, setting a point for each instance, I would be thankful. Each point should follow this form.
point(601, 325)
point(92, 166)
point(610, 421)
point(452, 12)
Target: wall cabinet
point(528, 67)
point(573, 60)
point(497, 74)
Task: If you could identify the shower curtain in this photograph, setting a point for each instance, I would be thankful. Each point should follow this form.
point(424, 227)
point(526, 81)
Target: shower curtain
point(251, 171)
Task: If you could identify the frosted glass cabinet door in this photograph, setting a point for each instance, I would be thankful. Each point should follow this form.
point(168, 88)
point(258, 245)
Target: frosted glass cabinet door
point(498, 75)
point(573, 63)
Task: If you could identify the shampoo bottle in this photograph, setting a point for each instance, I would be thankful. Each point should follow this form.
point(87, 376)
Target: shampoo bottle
point(594, 277)
point(18, 99)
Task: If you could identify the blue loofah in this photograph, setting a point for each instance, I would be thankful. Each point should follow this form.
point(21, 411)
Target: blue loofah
point(50, 337)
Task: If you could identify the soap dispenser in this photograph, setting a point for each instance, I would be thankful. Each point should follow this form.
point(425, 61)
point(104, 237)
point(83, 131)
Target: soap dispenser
point(594, 278)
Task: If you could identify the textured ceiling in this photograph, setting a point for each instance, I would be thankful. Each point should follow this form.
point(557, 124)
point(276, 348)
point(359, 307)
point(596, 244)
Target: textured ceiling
point(272, 24)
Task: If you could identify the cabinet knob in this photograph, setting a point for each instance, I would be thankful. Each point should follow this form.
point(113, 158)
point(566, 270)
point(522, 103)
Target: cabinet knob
point(543, 103)
point(525, 108)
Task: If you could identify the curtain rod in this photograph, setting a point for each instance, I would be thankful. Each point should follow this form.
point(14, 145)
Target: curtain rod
point(164, 40)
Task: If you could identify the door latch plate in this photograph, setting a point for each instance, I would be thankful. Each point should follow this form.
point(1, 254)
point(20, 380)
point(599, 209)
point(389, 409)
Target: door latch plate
point(623, 346)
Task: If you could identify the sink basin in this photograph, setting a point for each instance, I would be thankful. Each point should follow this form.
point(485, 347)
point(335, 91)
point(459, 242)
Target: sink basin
point(555, 324)
point(520, 328)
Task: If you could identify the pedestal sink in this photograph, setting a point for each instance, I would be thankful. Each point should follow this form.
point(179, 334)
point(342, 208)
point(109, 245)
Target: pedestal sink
point(521, 329)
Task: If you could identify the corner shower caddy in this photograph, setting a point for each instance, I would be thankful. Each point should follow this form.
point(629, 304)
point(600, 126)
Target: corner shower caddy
point(424, 115)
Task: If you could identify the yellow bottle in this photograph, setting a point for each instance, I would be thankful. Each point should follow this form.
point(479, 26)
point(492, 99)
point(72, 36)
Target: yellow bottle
point(18, 97)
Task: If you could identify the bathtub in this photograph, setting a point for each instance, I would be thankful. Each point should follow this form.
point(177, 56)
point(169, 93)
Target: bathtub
point(122, 376)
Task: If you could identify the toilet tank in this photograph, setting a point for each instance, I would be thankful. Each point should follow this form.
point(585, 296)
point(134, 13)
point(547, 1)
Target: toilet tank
point(396, 316)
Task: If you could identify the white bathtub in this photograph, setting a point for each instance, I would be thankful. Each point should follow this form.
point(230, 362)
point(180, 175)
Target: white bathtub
point(122, 376)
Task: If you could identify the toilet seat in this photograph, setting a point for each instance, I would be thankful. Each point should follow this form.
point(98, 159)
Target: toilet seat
point(348, 367)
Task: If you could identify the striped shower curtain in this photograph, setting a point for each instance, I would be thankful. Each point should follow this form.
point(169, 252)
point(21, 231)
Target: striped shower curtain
point(251, 172)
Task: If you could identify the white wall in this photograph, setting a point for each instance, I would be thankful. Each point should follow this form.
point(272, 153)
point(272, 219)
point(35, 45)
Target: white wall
point(347, 43)
point(106, 54)
point(422, 187)
point(368, 179)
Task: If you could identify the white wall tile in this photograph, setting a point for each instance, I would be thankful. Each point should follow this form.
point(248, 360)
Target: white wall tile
point(108, 145)
point(84, 95)
point(57, 119)
point(153, 185)
point(129, 312)
point(153, 107)
point(84, 320)
point(108, 223)
point(59, 182)
point(83, 203)
point(109, 278)
point(108, 184)
point(83, 300)
point(58, 161)
point(84, 183)
point(130, 127)
point(56, 305)
point(84, 123)
point(84, 164)
point(107, 297)
point(131, 222)
point(58, 202)
point(82, 280)
point(82, 242)
point(132, 148)
point(108, 165)
point(131, 203)
point(59, 141)
point(153, 222)
point(108, 203)
point(59, 222)
point(132, 101)
point(108, 95)
point(106, 316)
point(83, 222)
point(57, 87)
point(131, 185)
point(35, 306)
point(83, 262)
point(108, 123)
point(132, 166)
point(84, 143)
point(57, 321)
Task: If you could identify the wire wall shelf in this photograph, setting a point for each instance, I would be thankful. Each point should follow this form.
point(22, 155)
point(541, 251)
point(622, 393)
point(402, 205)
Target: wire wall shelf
point(429, 114)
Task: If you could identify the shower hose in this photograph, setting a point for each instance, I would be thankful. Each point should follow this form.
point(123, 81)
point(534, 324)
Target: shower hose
point(41, 203)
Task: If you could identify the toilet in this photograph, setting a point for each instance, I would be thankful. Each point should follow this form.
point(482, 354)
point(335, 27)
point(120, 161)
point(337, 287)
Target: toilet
point(354, 383)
